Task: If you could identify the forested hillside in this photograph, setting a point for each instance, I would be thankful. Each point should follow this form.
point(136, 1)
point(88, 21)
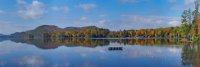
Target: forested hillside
point(187, 31)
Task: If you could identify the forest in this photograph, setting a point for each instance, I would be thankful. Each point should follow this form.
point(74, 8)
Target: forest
point(188, 31)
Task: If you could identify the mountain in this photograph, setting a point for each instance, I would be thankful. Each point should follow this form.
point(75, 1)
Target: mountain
point(47, 31)
point(80, 28)
point(1, 35)
point(39, 32)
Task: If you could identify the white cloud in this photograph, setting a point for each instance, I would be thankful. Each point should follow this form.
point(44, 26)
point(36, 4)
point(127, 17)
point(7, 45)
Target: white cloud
point(129, 22)
point(9, 28)
point(1, 11)
point(131, 1)
point(138, 21)
point(176, 9)
point(31, 11)
point(83, 18)
point(87, 7)
point(21, 2)
point(186, 5)
point(56, 8)
point(172, 1)
point(174, 23)
point(85, 21)
point(102, 23)
point(103, 15)
point(189, 1)
point(126, 1)
point(66, 9)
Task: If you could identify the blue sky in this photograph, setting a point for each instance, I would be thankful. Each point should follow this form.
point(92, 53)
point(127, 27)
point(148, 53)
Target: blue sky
point(22, 15)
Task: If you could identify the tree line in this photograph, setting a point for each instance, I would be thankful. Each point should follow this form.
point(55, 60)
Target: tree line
point(187, 31)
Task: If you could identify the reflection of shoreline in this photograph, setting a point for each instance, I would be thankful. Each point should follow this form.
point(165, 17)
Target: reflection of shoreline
point(133, 38)
point(3, 39)
point(191, 55)
point(74, 42)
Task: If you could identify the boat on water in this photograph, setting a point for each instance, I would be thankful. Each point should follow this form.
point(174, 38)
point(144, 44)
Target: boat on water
point(115, 48)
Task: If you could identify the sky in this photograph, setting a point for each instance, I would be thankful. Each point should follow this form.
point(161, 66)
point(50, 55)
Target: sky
point(22, 15)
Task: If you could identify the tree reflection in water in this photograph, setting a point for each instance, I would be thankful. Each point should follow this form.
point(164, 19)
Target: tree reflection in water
point(73, 42)
point(191, 55)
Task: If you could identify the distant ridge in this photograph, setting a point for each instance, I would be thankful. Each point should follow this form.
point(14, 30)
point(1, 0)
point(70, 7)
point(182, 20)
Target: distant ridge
point(42, 30)
point(79, 28)
point(47, 28)
point(54, 32)
point(1, 35)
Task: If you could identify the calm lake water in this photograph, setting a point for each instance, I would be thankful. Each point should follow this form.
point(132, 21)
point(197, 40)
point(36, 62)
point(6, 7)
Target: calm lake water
point(98, 53)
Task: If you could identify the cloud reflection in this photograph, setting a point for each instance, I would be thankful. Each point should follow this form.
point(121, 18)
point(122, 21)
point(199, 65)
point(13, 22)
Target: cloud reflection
point(9, 47)
point(150, 52)
point(32, 61)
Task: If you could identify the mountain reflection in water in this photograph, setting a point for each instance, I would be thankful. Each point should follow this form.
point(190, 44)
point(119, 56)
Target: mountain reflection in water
point(73, 42)
point(189, 53)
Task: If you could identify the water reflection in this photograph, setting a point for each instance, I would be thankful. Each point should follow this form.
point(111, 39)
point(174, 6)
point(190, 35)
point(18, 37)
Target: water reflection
point(98, 52)
point(74, 42)
point(191, 55)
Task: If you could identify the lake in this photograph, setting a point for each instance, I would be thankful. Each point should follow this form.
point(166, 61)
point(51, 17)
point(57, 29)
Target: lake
point(98, 53)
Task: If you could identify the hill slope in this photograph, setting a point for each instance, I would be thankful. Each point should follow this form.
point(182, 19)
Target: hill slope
point(46, 31)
